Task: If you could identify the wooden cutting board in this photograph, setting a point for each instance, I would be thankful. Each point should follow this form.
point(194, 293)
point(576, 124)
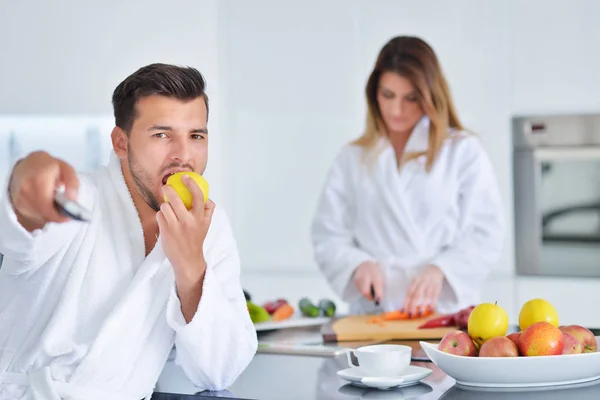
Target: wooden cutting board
point(357, 328)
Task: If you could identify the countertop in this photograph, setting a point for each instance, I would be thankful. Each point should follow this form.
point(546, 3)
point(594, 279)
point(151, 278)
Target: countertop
point(291, 376)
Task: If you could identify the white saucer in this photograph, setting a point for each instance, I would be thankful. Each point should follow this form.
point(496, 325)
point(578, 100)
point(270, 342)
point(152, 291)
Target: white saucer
point(404, 393)
point(411, 376)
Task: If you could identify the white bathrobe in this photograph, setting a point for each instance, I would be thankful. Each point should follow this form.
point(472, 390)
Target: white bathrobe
point(405, 219)
point(84, 314)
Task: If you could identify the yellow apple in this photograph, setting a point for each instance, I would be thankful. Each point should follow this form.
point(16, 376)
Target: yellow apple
point(486, 321)
point(184, 193)
point(537, 310)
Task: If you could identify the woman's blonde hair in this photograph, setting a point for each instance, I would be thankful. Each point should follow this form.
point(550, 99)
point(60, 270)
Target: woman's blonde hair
point(413, 59)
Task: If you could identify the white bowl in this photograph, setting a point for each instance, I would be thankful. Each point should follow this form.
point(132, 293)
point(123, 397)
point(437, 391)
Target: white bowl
point(516, 371)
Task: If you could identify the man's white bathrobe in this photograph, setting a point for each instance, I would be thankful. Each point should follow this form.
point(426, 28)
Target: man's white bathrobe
point(404, 219)
point(84, 314)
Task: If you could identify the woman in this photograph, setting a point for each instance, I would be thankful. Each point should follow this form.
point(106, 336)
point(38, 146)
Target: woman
point(410, 214)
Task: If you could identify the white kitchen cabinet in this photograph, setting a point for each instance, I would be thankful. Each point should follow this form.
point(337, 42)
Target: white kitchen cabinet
point(554, 61)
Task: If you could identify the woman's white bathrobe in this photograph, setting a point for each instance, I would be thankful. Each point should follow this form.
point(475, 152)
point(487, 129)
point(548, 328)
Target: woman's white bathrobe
point(405, 219)
point(84, 314)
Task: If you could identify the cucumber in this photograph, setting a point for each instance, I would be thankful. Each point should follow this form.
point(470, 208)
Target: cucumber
point(308, 308)
point(327, 307)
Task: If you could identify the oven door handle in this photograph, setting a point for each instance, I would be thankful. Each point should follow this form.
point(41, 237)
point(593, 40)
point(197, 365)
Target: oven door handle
point(548, 217)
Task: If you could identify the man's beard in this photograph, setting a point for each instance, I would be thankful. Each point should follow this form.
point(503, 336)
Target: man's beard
point(139, 177)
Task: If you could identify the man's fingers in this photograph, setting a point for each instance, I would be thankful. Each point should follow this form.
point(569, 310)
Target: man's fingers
point(68, 177)
point(168, 213)
point(41, 198)
point(175, 201)
point(162, 222)
point(46, 213)
point(197, 195)
point(209, 209)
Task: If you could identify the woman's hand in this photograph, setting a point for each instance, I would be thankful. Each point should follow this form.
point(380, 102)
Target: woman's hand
point(367, 275)
point(424, 289)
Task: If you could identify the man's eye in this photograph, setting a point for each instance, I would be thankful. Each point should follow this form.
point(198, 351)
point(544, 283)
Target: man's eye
point(197, 137)
point(160, 135)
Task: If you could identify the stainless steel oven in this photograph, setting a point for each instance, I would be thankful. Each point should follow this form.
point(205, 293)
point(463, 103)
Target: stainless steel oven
point(556, 166)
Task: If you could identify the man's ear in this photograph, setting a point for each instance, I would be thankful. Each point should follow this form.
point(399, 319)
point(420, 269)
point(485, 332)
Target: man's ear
point(120, 141)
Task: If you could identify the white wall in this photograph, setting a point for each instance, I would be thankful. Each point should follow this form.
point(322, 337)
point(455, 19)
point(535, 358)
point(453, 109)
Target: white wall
point(66, 57)
point(292, 102)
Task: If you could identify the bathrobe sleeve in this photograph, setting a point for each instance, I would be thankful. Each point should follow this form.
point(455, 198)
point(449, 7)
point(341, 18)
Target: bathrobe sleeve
point(477, 247)
point(335, 249)
point(25, 251)
point(220, 340)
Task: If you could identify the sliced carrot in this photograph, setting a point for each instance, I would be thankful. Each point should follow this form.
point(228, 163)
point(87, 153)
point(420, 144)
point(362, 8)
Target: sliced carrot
point(396, 315)
point(399, 315)
point(283, 312)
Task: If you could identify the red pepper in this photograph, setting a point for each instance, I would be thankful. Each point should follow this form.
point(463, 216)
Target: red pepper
point(439, 322)
point(462, 317)
point(459, 319)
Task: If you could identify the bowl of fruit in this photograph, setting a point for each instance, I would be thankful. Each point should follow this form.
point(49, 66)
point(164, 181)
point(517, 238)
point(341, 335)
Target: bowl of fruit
point(541, 353)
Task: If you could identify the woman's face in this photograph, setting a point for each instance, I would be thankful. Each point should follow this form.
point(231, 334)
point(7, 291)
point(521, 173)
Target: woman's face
point(398, 103)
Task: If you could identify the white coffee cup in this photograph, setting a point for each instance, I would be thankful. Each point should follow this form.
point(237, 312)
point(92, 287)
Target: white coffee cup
point(382, 359)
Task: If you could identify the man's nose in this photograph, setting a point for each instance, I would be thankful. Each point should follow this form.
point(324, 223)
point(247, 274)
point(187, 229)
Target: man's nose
point(181, 150)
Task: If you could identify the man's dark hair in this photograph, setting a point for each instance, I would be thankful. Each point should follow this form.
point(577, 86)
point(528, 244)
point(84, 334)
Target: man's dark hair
point(181, 83)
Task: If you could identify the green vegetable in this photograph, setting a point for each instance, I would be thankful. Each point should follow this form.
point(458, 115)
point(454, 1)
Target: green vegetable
point(327, 307)
point(257, 313)
point(308, 308)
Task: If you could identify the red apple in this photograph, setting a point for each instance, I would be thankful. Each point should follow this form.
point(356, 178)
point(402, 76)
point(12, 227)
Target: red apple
point(458, 343)
point(572, 345)
point(499, 346)
point(515, 337)
point(583, 335)
point(541, 339)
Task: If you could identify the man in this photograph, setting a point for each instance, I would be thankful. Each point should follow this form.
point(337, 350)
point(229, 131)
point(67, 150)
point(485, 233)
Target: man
point(91, 310)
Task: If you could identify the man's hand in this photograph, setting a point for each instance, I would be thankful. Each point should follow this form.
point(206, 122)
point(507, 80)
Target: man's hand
point(366, 276)
point(33, 183)
point(424, 289)
point(182, 234)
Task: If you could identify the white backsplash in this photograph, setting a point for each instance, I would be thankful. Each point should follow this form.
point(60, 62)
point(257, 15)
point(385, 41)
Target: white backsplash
point(82, 141)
